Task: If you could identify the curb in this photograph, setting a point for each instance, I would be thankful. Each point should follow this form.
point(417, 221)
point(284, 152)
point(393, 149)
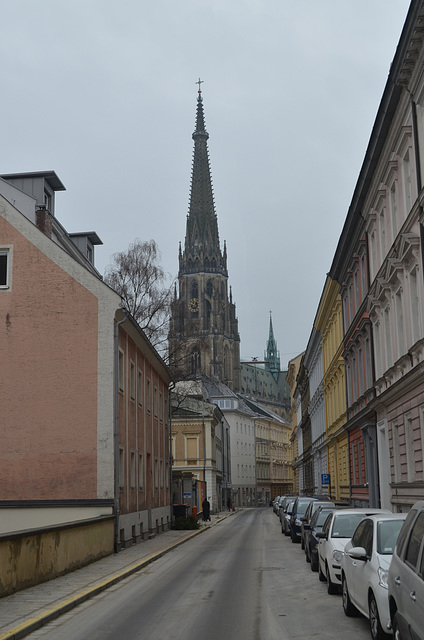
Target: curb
point(27, 627)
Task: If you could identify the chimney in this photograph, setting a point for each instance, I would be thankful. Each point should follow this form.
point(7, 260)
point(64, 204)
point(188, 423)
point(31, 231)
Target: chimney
point(43, 220)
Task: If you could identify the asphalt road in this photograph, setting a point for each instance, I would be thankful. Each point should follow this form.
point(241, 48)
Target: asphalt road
point(240, 580)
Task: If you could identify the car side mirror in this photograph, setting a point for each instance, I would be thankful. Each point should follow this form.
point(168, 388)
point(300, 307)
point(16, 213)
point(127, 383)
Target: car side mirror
point(321, 535)
point(358, 553)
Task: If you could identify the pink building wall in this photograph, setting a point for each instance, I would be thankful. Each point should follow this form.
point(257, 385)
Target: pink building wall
point(48, 347)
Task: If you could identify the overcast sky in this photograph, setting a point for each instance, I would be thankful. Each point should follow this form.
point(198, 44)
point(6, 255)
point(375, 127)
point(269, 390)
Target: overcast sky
point(104, 93)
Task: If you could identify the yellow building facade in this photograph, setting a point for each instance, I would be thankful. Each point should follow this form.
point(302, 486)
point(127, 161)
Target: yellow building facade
point(329, 322)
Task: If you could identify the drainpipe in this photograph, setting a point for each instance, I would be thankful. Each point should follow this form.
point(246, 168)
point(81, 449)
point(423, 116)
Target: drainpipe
point(171, 386)
point(116, 432)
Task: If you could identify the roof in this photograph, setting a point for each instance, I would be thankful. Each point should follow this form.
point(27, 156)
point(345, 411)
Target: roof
point(50, 176)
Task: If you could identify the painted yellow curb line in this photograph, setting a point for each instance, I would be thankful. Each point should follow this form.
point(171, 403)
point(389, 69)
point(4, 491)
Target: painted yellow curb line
point(32, 624)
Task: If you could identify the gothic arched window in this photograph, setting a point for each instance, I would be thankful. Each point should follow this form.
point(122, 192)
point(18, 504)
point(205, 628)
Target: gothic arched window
point(209, 288)
point(195, 361)
point(194, 289)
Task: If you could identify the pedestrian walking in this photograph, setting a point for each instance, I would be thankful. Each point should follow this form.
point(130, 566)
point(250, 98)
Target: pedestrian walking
point(206, 509)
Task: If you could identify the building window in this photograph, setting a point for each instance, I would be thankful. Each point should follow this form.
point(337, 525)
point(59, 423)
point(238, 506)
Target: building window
point(121, 468)
point(132, 381)
point(5, 259)
point(140, 388)
point(148, 394)
point(160, 406)
point(397, 471)
point(156, 473)
point(121, 371)
point(155, 402)
point(192, 450)
point(409, 442)
point(140, 471)
point(132, 466)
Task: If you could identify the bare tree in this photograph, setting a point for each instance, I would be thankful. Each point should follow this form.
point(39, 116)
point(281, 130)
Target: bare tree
point(144, 288)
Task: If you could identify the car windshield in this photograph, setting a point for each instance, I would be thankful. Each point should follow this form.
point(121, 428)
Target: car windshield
point(345, 524)
point(302, 505)
point(387, 534)
point(320, 519)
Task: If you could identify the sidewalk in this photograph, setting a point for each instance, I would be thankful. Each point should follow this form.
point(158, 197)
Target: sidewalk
point(28, 610)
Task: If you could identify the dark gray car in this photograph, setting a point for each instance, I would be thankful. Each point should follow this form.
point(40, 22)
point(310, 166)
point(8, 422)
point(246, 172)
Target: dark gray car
point(406, 578)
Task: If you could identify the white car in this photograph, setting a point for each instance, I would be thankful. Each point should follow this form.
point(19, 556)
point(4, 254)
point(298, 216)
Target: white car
point(365, 568)
point(337, 530)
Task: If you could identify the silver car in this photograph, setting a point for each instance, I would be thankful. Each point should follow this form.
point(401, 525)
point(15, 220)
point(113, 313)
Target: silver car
point(406, 578)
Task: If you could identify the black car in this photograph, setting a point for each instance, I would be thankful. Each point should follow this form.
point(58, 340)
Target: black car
point(299, 510)
point(306, 519)
point(285, 517)
point(283, 504)
point(311, 540)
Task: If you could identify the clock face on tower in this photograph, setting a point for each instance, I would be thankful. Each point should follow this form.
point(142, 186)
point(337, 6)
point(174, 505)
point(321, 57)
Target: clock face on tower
point(193, 305)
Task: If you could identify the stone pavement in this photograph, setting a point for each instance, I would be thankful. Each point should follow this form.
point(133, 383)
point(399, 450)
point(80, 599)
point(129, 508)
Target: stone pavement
point(25, 611)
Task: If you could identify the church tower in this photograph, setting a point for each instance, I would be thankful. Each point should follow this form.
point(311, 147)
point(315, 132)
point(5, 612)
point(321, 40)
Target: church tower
point(203, 336)
point(272, 355)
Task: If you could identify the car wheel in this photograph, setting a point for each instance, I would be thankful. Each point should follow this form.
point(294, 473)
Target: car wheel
point(349, 609)
point(314, 563)
point(293, 537)
point(332, 588)
point(307, 556)
point(377, 631)
point(303, 544)
point(396, 628)
point(321, 576)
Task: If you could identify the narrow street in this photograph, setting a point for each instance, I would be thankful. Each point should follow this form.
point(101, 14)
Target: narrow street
point(241, 579)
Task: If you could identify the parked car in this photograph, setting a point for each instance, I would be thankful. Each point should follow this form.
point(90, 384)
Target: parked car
point(336, 531)
point(299, 508)
point(365, 567)
point(275, 503)
point(286, 515)
point(406, 578)
point(282, 504)
point(306, 519)
point(311, 540)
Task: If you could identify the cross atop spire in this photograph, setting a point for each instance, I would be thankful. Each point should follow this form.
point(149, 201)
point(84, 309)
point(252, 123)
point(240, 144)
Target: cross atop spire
point(199, 91)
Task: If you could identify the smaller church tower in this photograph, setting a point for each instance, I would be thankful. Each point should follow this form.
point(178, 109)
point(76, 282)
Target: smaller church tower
point(203, 336)
point(272, 356)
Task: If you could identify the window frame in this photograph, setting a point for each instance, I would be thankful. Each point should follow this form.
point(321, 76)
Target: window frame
point(7, 250)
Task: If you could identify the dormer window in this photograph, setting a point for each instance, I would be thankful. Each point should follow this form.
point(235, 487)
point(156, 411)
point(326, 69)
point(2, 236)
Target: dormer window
point(48, 200)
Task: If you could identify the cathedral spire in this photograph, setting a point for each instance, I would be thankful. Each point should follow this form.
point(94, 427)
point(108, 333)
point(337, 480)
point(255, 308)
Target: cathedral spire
point(272, 356)
point(202, 251)
point(203, 333)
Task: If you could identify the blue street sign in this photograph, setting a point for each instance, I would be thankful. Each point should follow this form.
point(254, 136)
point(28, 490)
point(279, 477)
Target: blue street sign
point(325, 478)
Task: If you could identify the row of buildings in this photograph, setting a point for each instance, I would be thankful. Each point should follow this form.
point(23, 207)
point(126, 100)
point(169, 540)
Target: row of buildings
point(358, 389)
point(101, 437)
point(84, 461)
point(98, 442)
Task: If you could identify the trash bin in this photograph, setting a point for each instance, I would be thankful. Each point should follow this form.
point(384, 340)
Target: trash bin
point(180, 510)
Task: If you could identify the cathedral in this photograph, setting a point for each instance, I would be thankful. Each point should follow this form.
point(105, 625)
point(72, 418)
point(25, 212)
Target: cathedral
point(203, 335)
